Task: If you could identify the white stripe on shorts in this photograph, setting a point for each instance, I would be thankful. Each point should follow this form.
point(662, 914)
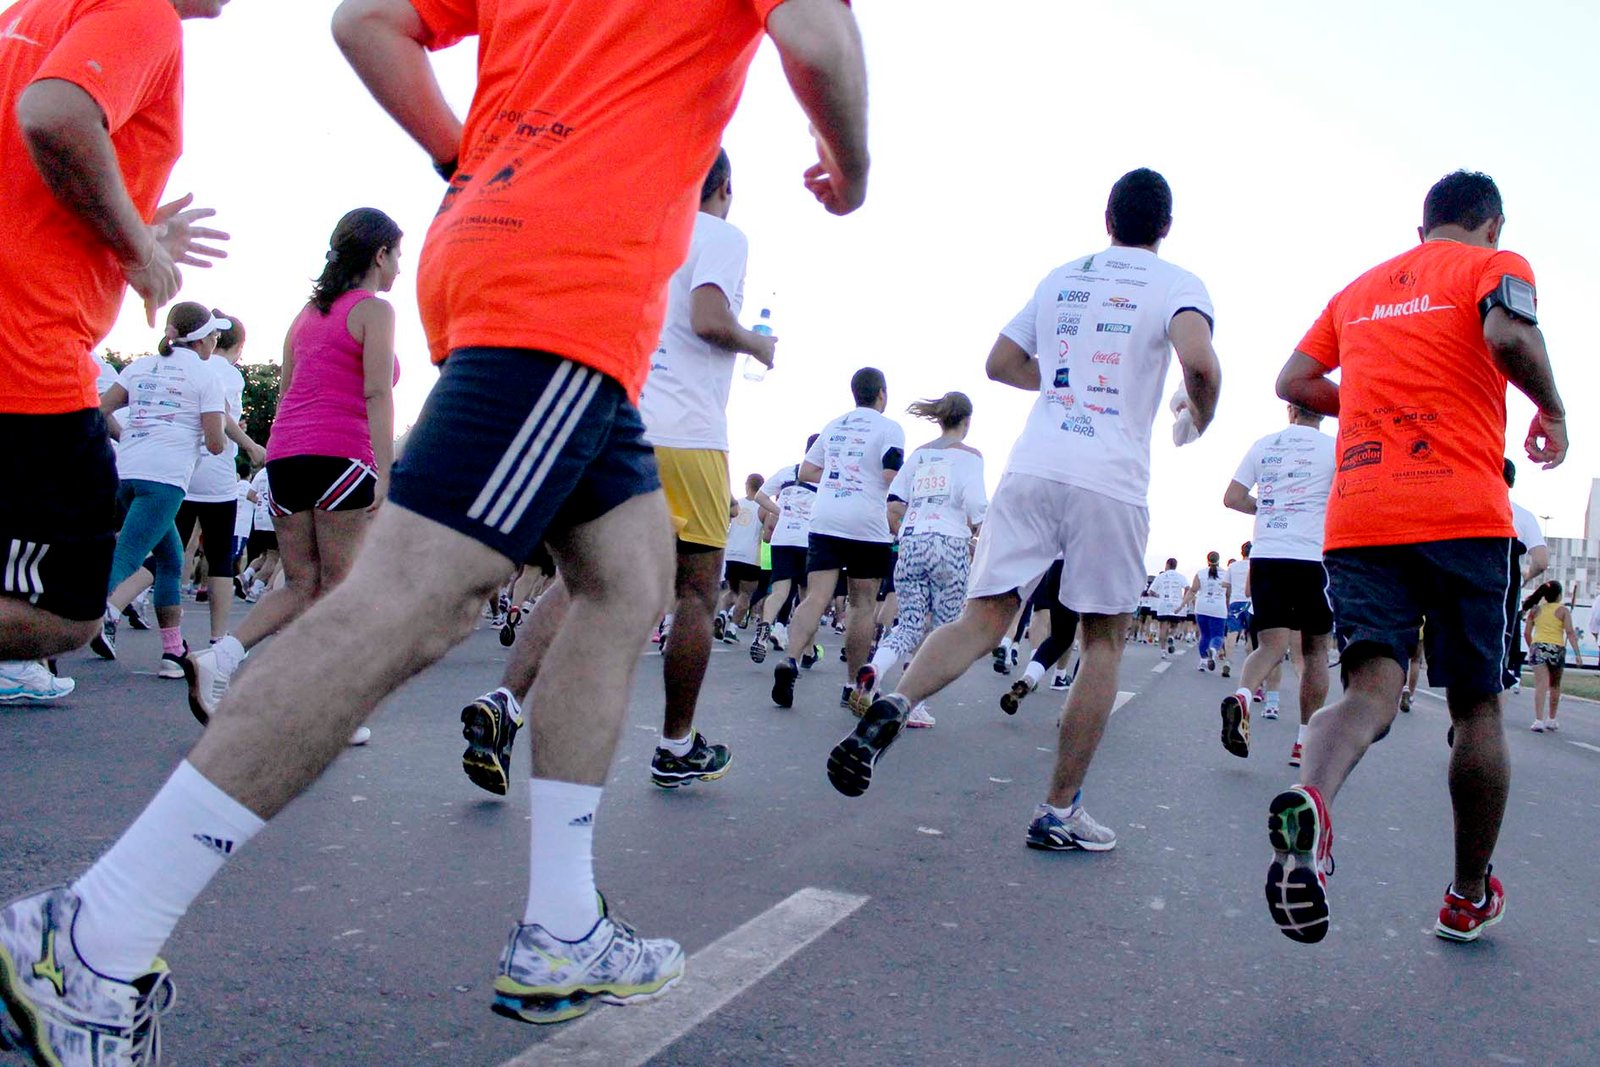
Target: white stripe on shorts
point(509, 481)
point(551, 451)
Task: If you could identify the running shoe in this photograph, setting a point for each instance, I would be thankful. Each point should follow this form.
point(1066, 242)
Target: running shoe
point(508, 629)
point(1538, 726)
point(1270, 712)
point(1297, 881)
point(1012, 698)
point(1551, 726)
point(719, 626)
point(1258, 696)
point(1295, 754)
point(1405, 700)
point(1061, 682)
point(362, 735)
point(544, 979)
point(703, 763)
point(497, 622)
point(490, 727)
point(920, 719)
point(104, 643)
point(1211, 662)
point(1226, 670)
point(1236, 726)
point(58, 1007)
point(758, 647)
point(1053, 833)
point(171, 665)
point(730, 633)
point(783, 677)
point(844, 654)
point(780, 636)
point(810, 659)
point(1172, 648)
point(851, 761)
point(1462, 920)
point(1002, 662)
point(241, 586)
point(28, 681)
point(1016, 656)
point(135, 619)
point(866, 689)
point(208, 683)
point(847, 699)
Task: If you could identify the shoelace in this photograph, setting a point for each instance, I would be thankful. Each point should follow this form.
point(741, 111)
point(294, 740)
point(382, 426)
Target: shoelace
point(145, 1031)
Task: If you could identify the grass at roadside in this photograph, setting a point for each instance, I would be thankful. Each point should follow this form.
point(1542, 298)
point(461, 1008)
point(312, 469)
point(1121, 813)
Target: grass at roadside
point(1573, 683)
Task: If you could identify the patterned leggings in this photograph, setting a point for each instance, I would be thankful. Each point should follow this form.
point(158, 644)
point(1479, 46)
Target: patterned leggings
point(931, 579)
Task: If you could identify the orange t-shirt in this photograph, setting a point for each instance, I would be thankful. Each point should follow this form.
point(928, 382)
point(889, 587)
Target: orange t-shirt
point(1422, 402)
point(60, 285)
point(593, 127)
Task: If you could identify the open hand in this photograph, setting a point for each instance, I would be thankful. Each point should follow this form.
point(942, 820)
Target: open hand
point(174, 227)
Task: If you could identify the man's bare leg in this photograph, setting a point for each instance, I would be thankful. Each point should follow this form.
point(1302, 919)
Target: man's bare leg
point(1480, 781)
point(950, 650)
point(1340, 734)
point(808, 616)
point(860, 622)
point(684, 663)
point(1313, 674)
point(1088, 707)
point(29, 632)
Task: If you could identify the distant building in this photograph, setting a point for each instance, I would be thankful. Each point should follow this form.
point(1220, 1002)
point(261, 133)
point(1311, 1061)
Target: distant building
point(1591, 518)
point(1575, 563)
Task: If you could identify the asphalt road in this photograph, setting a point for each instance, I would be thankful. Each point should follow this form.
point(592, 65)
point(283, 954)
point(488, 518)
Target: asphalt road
point(363, 926)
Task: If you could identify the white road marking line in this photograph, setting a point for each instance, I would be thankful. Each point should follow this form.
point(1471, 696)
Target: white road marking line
point(1159, 667)
point(1430, 693)
point(1123, 696)
point(1585, 744)
point(628, 1036)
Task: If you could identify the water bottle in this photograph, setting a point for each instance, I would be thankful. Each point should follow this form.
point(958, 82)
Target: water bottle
point(754, 369)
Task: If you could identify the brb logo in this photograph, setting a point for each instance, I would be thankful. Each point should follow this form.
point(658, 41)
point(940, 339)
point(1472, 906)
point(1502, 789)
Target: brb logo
point(1072, 296)
point(1063, 376)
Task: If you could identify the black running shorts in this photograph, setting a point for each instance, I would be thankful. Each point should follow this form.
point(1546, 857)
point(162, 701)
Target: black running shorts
point(858, 559)
point(1290, 594)
point(319, 483)
point(788, 564)
point(215, 518)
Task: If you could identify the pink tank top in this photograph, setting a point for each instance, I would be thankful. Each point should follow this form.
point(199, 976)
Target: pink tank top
point(324, 412)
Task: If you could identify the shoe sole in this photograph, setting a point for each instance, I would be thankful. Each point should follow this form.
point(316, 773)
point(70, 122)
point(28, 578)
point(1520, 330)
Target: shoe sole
point(508, 635)
point(679, 779)
point(783, 679)
point(851, 761)
point(1234, 738)
point(192, 677)
point(1450, 933)
point(1296, 898)
point(32, 698)
point(1072, 844)
point(541, 1009)
point(758, 652)
point(97, 645)
point(1011, 699)
point(481, 762)
point(25, 1028)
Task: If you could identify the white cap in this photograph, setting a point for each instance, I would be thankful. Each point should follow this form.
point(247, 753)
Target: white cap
point(212, 325)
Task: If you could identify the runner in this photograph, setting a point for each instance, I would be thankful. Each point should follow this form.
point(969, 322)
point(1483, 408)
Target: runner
point(176, 409)
point(936, 501)
point(1239, 595)
point(332, 441)
point(88, 148)
point(1169, 590)
point(1053, 650)
point(794, 500)
point(1207, 598)
point(853, 462)
point(1292, 469)
point(1096, 339)
point(459, 516)
point(262, 548)
point(1530, 558)
point(747, 579)
point(1548, 632)
point(1419, 524)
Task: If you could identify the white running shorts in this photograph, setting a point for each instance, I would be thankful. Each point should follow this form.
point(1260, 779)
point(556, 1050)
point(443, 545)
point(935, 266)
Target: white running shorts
point(1033, 520)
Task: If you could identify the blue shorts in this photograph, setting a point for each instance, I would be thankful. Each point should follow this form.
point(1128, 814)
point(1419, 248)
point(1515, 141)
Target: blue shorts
point(1238, 616)
point(1382, 595)
point(513, 443)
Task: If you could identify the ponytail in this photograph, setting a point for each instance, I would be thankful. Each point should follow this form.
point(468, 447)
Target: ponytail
point(352, 250)
point(949, 411)
point(1212, 559)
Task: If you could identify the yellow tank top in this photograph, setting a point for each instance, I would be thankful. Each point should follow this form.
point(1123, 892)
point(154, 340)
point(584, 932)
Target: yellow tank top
point(1547, 629)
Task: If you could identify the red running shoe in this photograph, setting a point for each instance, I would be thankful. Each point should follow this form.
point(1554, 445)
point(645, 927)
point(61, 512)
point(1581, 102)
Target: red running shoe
point(1462, 920)
point(1294, 756)
point(1297, 881)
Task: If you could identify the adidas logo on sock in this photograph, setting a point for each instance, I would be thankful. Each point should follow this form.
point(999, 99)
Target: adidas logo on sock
point(220, 846)
point(583, 820)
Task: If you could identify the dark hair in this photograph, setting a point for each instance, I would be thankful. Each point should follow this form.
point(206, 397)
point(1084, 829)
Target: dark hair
point(1245, 548)
point(1510, 472)
point(756, 480)
point(1550, 591)
point(1211, 564)
point(183, 319)
point(354, 246)
point(1172, 563)
point(1140, 208)
point(717, 177)
point(1301, 411)
point(866, 385)
point(233, 336)
point(949, 411)
point(1467, 198)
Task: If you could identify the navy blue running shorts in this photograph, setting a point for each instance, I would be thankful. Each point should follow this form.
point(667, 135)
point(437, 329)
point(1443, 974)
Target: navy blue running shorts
point(1382, 595)
point(513, 443)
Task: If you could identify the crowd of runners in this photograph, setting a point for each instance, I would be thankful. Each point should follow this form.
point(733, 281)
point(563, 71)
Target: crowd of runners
point(568, 479)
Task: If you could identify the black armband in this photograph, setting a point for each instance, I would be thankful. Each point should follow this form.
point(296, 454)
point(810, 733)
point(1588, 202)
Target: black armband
point(894, 459)
point(446, 170)
point(1516, 296)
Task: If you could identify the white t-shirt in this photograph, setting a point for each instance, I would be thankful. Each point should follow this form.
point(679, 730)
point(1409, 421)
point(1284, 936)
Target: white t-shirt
point(216, 477)
point(244, 512)
point(1212, 597)
point(105, 378)
point(744, 534)
point(1099, 327)
point(943, 491)
point(263, 517)
point(1168, 588)
point(795, 500)
point(1292, 471)
point(854, 451)
point(162, 439)
point(1527, 527)
point(685, 399)
point(1238, 571)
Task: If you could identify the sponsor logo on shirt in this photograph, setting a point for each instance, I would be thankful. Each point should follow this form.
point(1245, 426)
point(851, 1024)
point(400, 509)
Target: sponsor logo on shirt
point(1420, 449)
point(1082, 425)
point(1110, 358)
point(1404, 416)
point(1120, 303)
point(1063, 376)
point(1417, 305)
point(1271, 461)
point(1072, 296)
point(1365, 454)
point(1067, 325)
point(1098, 410)
point(1112, 327)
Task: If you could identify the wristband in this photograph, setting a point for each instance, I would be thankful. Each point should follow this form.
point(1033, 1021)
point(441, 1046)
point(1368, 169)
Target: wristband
point(446, 170)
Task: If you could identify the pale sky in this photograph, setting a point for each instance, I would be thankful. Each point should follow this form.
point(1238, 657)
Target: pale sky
point(1299, 143)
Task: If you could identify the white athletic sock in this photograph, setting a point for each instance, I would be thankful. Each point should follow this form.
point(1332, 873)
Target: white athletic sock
point(678, 746)
point(514, 705)
point(561, 894)
point(1272, 698)
point(1034, 674)
point(230, 653)
point(883, 662)
point(136, 893)
point(1244, 695)
point(1300, 735)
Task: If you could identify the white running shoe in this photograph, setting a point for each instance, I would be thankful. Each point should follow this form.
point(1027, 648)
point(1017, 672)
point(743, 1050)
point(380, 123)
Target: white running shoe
point(171, 665)
point(29, 680)
point(543, 979)
point(919, 717)
point(780, 637)
point(1077, 830)
point(1551, 725)
point(208, 683)
point(1538, 726)
point(1060, 682)
point(361, 736)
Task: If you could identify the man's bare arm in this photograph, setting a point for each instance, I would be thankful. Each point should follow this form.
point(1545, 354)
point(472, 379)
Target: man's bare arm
point(1518, 347)
point(1190, 334)
point(1238, 498)
point(384, 42)
point(1304, 381)
point(1010, 365)
point(820, 46)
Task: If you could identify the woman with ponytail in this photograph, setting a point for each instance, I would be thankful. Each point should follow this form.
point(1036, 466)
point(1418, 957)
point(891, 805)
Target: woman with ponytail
point(936, 503)
point(1547, 632)
point(332, 441)
point(176, 410)
point(1208, 596)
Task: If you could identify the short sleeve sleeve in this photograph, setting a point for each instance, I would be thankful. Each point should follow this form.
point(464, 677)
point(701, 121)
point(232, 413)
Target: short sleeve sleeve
point(212, 395)
point(1321, 342)
point(1498, 266)
point(125, 377)
point(901, 486)
point(1024, 326)
point(1246, 474)
point(125, 55)
point(816, 454)
point(773, 485)
point(1188, 293)
point(977, 498)
point(721, 262)
point(447, 21)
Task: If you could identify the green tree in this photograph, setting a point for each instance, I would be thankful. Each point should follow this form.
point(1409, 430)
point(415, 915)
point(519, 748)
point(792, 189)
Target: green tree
point(261, 381)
